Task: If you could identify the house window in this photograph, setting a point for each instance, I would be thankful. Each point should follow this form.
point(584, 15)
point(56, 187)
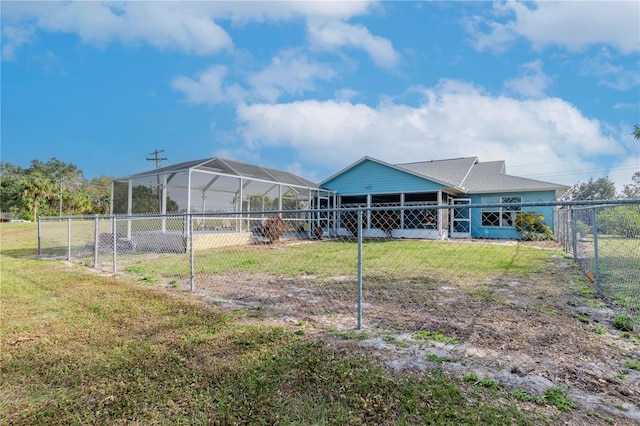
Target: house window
point(501, 216)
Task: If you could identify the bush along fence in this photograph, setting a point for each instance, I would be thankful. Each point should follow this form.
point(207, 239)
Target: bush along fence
point(381, 264)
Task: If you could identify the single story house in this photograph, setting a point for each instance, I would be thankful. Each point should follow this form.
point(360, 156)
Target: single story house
point(458, 183)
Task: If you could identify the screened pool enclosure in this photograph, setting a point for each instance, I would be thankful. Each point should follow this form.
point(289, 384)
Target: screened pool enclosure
point(221, 196)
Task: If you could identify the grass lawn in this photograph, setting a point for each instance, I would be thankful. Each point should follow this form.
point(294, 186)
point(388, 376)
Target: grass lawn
point(619, 260)
point(406, 260)
point(80, 348)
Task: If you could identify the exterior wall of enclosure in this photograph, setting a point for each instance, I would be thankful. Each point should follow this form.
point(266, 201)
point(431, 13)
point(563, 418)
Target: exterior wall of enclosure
point(196, 191)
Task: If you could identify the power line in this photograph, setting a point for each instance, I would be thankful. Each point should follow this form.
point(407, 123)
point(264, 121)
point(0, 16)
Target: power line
point(156, 158)
point(576, 172)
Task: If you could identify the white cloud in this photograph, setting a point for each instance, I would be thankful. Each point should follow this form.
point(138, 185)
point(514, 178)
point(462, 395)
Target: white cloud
point(496, 37)
point(345, 94)
point(455, 120)
point(240, 12)
point(176, 25)
point(572, 25)
point(13, 38)
point(209, 87)
point(333, 35)
point(165, 25)
point(622, 173)
point(531, 83)
point(626, 106)
point(190, 27)
point(290, 73)
point(608, 74)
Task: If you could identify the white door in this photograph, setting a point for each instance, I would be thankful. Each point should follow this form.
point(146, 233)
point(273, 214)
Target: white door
point(461, 218)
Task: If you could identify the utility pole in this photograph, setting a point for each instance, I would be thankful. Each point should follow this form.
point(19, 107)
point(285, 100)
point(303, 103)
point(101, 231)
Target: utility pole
point(156, 158)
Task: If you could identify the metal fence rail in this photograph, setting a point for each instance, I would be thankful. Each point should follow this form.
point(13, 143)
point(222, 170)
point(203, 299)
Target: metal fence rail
point(340, 267)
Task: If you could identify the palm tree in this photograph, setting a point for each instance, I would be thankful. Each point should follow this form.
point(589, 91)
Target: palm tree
point(636, 131)
point(37, 186)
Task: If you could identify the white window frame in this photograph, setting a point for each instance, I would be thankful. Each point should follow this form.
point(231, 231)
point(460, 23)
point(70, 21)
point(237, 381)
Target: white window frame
point(505, 214)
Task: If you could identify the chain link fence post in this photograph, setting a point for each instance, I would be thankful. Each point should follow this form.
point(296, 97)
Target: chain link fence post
point(115, 242)
point(39, 239)
point(69, 238)
point(596, 261)
point(574, 234)
point(359, 269)
point(96, 240)
point(189, 221)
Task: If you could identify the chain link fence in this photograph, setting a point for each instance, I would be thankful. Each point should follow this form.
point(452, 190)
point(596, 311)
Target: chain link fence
point(408, 280)
point(604, 241)
point(311, 264)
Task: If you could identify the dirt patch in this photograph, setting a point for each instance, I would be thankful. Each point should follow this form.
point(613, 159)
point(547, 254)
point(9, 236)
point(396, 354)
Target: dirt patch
point(525, 332)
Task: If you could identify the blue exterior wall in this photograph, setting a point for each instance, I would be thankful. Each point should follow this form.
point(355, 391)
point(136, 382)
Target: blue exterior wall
point(382, 180)
point(478, 231)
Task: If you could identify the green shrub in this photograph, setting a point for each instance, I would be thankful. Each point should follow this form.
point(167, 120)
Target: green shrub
point(623, 220)
point(532, 227)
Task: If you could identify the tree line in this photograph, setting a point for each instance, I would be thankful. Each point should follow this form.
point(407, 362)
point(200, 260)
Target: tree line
point(57, 188)
point(51, 188)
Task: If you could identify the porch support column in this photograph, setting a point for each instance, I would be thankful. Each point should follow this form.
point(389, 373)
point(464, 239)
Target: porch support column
point(310, 219)
point(336, 216)
point(440, 229)
point(239, 222)
point(402, 211)
point(368, 211)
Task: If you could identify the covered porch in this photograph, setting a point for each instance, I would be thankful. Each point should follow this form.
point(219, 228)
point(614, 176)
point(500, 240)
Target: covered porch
point(431, 215)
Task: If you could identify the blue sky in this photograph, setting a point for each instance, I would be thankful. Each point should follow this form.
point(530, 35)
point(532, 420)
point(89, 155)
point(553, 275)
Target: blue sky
point(553, 88)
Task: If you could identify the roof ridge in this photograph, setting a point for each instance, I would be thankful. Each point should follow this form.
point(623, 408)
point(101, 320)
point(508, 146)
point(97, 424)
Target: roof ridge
point(435, 161)
point(461, 184)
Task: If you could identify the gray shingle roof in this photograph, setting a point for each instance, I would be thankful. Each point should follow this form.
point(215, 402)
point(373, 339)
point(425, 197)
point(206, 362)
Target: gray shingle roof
point(231, 168)
point(476, 177)
point(486, 177)
point(453, 171)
